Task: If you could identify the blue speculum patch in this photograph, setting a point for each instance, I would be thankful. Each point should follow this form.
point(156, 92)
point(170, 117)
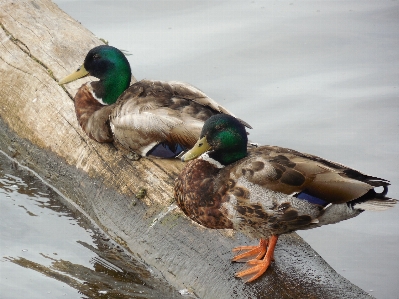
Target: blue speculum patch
point(164, 150)
point(310, 198)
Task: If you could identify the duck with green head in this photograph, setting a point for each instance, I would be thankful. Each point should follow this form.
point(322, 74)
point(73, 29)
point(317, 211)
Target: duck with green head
point(149, 117)
point(267, 191)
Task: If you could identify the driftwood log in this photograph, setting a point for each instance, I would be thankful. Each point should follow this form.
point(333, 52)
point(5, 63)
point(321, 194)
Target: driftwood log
point(39, 44)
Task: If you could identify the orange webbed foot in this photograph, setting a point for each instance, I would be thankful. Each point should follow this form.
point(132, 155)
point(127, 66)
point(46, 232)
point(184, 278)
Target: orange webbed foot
point(258, 251)
point(258, 266)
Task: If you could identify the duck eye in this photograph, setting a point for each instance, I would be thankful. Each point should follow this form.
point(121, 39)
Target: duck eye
point(96, 56)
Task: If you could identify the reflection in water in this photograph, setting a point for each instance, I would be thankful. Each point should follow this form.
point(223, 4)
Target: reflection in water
point(68, 255)
point(106, 278)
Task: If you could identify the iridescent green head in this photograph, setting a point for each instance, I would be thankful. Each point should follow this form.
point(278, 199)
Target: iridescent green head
point(224, 137)
point(110, 66)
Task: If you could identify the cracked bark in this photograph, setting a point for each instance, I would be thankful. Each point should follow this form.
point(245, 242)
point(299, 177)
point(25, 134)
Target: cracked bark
point(38, 126)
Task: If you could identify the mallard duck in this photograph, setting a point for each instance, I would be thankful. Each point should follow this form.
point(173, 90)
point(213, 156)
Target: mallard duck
point(149, 117)
point(267, 191)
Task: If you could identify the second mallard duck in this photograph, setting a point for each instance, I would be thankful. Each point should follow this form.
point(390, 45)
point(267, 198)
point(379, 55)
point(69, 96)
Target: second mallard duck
point(267, 191)
point(149, 117)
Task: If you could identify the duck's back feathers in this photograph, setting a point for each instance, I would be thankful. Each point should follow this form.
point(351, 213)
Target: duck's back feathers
point(189, 92)
point(152, 112)
point(276, 190)
point(292, 172)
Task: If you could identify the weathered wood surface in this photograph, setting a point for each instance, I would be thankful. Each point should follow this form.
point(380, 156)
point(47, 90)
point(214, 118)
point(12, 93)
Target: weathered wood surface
point(40, 44)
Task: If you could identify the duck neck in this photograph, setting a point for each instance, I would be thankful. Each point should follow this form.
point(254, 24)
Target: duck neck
point(109, 88)
point(227, 157)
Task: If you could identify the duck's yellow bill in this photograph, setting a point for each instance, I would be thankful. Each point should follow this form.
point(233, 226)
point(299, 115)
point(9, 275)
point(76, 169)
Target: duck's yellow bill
point(199, 148)
point(80, 73)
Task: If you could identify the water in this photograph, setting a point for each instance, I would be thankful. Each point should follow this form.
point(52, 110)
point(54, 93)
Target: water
point(48, 251)
point(316, 76)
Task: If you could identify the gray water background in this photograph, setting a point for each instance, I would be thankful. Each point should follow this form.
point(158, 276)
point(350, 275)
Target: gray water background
point(316, 76)
point(49, 251)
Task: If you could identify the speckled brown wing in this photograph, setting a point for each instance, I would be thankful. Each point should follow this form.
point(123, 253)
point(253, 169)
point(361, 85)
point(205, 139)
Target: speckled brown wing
point(150, 112)
point(259, 211)
point(189, 92)
point(92, 116)
point(216, 198)
point(287, 171)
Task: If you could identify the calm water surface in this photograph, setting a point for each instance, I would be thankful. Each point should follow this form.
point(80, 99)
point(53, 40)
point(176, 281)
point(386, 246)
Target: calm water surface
point(47, 251)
